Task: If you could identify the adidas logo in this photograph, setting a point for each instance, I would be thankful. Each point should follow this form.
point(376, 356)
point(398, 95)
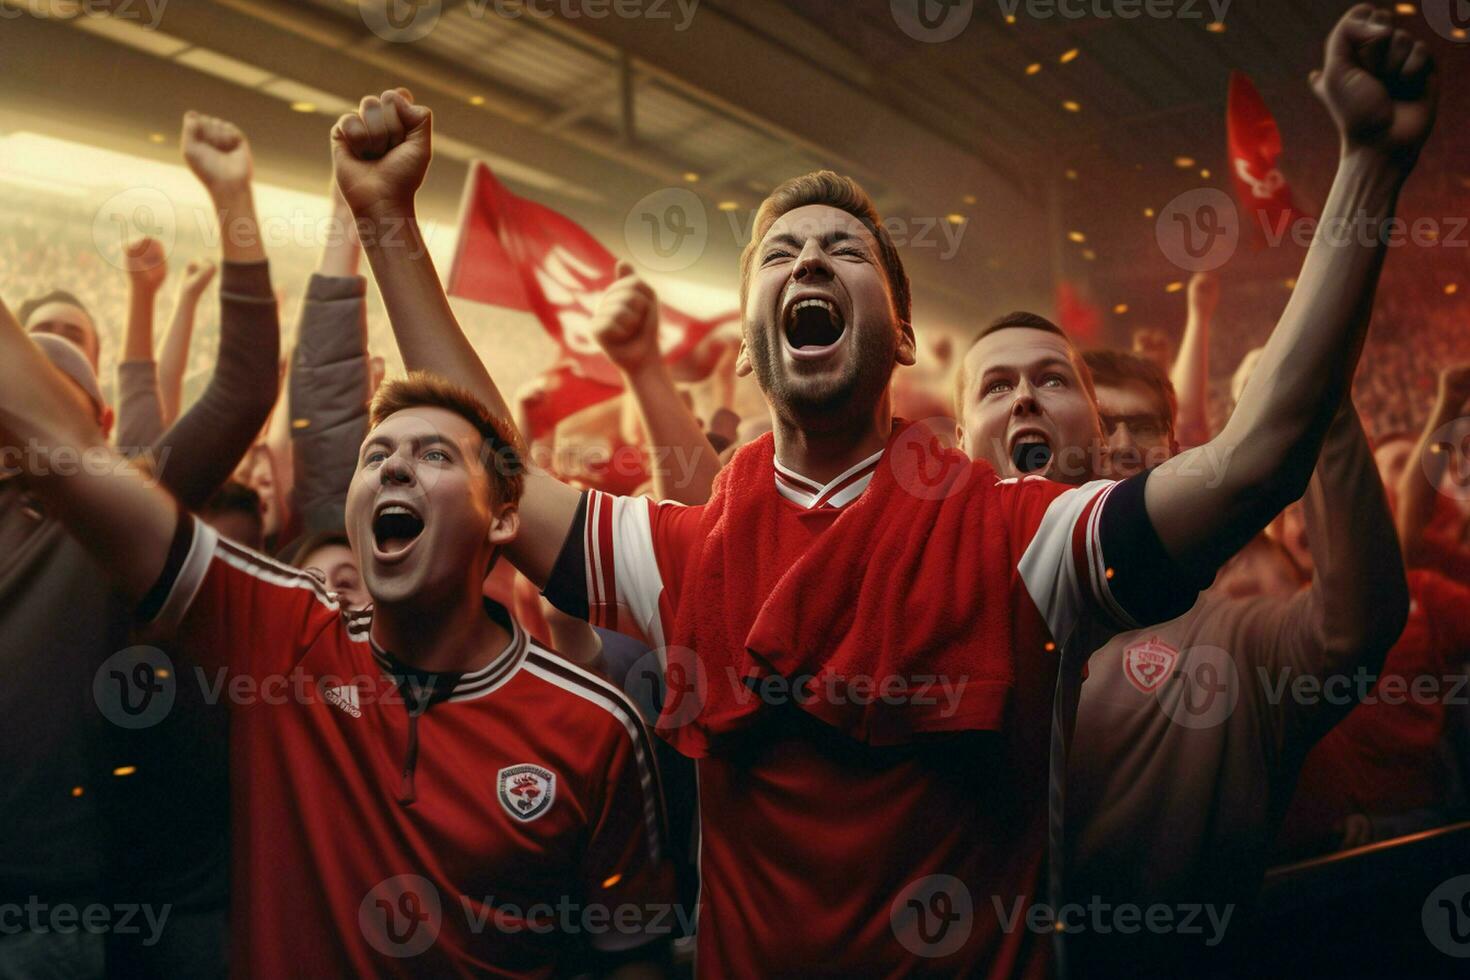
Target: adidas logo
point(345, 697)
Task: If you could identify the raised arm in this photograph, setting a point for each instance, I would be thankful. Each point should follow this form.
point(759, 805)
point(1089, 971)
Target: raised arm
point(626, 328)
point(174, 358)
point(124, 519)
point(380, 154)
point(1418, 485)
point(1359, 598)
point(1207, 502)
point(203, 447)
point(1191, 371)
point(140, 418)
point(328, 381)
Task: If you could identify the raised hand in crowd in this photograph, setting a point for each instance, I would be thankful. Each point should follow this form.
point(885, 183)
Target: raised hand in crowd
point(218, 153)
point(1419, 483)
point(625, 326)
point(140, 419)
point(1191, 369)
point(173, 359)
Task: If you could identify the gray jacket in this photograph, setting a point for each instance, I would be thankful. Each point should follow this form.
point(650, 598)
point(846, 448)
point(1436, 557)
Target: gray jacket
point(328, 392)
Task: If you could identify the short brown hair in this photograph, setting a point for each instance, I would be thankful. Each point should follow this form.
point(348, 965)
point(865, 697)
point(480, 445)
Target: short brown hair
point(1017, 318)
point(835, 191)
point(1116, 367)
point(500, 451)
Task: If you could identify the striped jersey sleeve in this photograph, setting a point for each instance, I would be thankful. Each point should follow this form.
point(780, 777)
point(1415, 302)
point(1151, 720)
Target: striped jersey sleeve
point(1090, 554)
point(232, 607)
point(626, 861)
point(622, 563)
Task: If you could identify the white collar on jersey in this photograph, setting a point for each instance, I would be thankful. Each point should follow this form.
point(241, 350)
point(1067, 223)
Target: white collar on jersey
point(462, 687)
point(840, 491)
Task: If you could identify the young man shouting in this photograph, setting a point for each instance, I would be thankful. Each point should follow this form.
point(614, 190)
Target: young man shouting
point(1188, 741)
point(846, 569)
point(418, 789)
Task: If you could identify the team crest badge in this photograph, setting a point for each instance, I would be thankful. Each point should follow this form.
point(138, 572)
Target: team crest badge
point(526, 790)
point(1148, 664)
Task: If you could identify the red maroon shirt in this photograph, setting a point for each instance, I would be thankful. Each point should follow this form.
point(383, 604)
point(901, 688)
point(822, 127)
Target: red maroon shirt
point(505, 821)
point(822, 856)
point(1383, 759)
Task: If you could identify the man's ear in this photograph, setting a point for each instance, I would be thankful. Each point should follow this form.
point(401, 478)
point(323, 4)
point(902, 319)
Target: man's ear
point(742, 361)
point(907, 354)
point(505, 526)
point(959, 437)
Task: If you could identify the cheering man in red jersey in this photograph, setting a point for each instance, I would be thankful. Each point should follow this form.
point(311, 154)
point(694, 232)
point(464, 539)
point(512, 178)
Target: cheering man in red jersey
point(418, 789)
point(862, 630)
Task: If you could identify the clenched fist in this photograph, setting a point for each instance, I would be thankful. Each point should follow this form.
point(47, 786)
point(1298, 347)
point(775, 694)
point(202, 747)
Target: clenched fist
point(1454, 387)
point(625, 323)
point(146, 264)
point(197, 275)
point(218, 154)
point(381, 152)
point(1204, 293)
point(1375, 81)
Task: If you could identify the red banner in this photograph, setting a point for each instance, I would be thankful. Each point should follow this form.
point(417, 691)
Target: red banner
point(1255, 149)
point(521, 255)
point(1078, 318)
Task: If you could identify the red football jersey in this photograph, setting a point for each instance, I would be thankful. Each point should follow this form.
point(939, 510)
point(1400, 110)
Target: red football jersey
point(386, 821)
point(822, 856)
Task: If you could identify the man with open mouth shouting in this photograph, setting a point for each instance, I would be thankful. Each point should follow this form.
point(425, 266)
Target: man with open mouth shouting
point(849, 574)
point(418, 788)
point(1175, 727)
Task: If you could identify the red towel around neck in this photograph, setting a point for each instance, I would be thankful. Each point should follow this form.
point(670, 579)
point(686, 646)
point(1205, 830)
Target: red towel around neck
point(853, 623)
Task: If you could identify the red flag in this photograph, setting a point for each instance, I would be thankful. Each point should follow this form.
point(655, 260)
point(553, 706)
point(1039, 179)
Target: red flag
point(1255, 148)
point(521, 255)
point(1078, 318)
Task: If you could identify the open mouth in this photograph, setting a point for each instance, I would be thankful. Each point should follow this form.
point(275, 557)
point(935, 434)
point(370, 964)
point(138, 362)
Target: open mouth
point(395, 528)
point(813, 327)
point(1030, 452)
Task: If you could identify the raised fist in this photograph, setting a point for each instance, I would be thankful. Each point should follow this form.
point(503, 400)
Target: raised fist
point(146, 264)
point(625, 323)
point(197, 276)
point(1154, 344)
point(1375, 81)
point(217, 152)
point(1204, 293)
point(381, 152)
point(1454, 386)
